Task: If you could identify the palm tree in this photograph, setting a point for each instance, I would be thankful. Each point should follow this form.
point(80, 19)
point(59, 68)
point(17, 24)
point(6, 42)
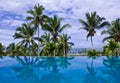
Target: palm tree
point(93, 22)
point(65, 44)
point(110, 48)
point(12, 49)
point(113, 31)
point(53, 25)
point(26, 33)
point(16, 49)
point(36, 18)
point(47, 44)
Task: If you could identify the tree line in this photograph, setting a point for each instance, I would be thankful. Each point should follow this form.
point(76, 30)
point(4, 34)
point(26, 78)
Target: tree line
point(54, 42)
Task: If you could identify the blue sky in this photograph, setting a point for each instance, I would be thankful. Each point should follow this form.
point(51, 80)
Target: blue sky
point(13, 13)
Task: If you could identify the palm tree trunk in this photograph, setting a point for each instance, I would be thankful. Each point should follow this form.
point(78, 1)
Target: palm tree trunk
point(118, 49)
point(64, 50)
point(55, 48)
point(54, 53)
point(38, 41)
point(92, 42)
point(29, 52)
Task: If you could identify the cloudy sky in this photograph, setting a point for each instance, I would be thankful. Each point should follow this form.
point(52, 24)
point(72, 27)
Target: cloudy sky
point(13, 13)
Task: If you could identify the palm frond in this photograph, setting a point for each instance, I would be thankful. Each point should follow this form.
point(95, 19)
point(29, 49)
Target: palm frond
point(64, 27)
point(105, 32)
point(104, 24)
point(85, 24)
point(107, 38)
point(87, 29)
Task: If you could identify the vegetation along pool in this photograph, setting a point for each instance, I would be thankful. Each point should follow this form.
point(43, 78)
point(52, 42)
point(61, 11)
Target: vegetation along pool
point(80, 69)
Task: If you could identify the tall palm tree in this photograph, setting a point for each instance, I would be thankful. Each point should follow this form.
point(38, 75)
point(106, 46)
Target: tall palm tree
point(113, 31)
point(93, 21)
point(26, 33)
point(65, 43)
point(53, 25)
point(36, 18)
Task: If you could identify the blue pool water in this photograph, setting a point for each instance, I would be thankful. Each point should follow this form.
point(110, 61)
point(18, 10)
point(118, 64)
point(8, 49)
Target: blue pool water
point(59, 70)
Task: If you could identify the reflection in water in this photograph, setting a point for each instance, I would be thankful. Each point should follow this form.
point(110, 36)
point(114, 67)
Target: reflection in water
point(113, 71)
point(91, 76)
point(27, 72)
point(110, 74)
point(65, 70)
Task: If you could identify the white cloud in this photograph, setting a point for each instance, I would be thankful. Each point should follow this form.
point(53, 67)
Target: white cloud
point(11, 23)
point(6, 32)
point(6, 36)
point(16, 5)
point(78, 8)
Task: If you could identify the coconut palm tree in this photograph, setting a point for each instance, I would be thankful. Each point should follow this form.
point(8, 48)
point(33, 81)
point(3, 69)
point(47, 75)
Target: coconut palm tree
point(65, 43)
point(26, 33)
point(36, 18)
point(15, 49)
point(12, 49)
point(53, 25)
point(110, 48)
point(113, 31)
point(48, 45)
point(93, 22)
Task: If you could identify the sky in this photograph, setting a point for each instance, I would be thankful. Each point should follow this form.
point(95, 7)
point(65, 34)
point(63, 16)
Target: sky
point(14, 12)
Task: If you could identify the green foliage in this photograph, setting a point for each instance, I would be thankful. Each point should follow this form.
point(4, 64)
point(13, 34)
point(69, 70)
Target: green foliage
point(111, 47)
point(53, 26)
point(92, 53)
point(64, 44)
point(28, 41)
point(93, 21)
point(61, 47)
point(36, 16)
point(113, 31)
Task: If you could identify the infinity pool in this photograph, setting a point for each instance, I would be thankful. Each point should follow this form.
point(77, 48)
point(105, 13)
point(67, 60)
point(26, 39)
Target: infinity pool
point(59, 70)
